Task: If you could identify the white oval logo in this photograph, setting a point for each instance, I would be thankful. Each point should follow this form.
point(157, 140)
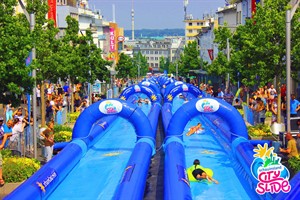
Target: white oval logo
point(207, 105)
point(137, 88)
point(110, 107)
point(178, 83)
point(121, 38)
point(147, 83)
point(185, 87)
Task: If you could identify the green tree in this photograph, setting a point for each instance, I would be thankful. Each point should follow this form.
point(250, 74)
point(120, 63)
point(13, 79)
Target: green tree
point(172, 67)
point(82, 61)
point(164, 64)
point(258, 47)
point(190, 59)
point(140, 61)
point(124, 67)
point(15, 45)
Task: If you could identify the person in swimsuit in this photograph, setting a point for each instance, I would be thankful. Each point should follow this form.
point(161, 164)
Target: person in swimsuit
point(195, 129)
point(199, 174)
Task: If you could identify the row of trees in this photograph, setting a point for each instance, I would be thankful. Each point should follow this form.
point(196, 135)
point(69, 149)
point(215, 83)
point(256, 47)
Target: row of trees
point(73, 57)
point(132, 67)
point(257, 49)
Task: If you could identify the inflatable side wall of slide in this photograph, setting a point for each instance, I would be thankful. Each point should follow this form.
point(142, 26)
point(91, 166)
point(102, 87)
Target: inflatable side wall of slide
point(172, 91)
point(150, 90)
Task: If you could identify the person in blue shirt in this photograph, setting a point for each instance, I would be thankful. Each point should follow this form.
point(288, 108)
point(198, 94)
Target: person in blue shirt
point(7, 132)
point(295, 105)
point(220, 94)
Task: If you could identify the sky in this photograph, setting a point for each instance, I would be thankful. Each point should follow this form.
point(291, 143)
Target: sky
point(154, 14)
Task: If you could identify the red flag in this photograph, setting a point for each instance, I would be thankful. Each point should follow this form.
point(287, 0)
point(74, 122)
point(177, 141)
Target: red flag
point(211, 53)
point(52, 10)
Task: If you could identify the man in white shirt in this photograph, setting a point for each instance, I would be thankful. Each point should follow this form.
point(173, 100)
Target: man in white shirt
point(15, 139)
point(272, 92)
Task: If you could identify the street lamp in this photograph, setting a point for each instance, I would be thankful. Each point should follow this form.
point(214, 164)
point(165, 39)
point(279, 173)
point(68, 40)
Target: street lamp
point(289, 16)
point(31, 20)
point(228, 59)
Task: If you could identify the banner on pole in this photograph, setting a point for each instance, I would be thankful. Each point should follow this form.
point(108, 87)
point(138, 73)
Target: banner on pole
point(52, 11)
point(211, 54)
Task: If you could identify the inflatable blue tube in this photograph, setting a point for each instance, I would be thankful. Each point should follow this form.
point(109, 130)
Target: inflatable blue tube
point(153, 116)
point(261, 142)
point(117, 107)
point(189, 88)
point(204, 106)
point(151, 85)
point(176, 184)
point(167, 82)
point(45, 180)
point(166, 114)
point(172, 85)
point(221, 124)
point(133, 182)
point(243, 150)
point(295, 191)
point(162, 80)
point(98, 128)
point(60, 145)
point(131, 90)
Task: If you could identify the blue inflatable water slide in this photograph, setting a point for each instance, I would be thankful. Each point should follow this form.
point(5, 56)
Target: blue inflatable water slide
point(114, 140)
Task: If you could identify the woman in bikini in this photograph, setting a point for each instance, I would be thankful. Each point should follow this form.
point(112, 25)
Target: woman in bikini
point(195, 129)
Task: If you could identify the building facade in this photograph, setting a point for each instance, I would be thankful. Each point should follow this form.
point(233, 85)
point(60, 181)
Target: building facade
point(193, 27)
point(153, 49)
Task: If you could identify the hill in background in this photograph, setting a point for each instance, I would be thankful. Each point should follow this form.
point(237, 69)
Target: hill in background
point(149, 33)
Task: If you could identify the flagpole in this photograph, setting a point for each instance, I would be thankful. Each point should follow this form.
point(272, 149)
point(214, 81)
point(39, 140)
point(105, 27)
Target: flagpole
point(34, 109)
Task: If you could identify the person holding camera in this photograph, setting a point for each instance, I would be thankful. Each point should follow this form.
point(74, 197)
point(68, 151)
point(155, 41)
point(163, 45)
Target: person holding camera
point(83, 106)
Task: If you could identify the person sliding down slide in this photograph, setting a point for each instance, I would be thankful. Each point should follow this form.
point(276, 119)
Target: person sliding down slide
point(198, 173)
point(195, 129)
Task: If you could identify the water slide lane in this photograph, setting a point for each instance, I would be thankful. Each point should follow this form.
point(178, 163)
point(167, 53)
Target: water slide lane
point(99, 172)
point(207, 149)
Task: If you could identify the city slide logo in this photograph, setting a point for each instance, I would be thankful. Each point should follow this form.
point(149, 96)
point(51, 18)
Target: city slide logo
point(272, 176)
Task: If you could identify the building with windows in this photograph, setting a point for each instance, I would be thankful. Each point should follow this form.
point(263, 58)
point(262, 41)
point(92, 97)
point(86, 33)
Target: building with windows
point(193, 27)
point(229, 16)
point(153, 49)
point(103, 36)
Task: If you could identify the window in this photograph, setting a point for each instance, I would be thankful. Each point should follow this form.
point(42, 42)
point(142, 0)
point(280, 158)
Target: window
point(190, 31)
point(190, 24)
point(239, 17)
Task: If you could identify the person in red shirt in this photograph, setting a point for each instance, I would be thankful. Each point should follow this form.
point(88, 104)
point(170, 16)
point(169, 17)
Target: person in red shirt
point(283, 92)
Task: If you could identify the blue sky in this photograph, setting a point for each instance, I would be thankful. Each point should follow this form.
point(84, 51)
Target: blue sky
point(154, 14)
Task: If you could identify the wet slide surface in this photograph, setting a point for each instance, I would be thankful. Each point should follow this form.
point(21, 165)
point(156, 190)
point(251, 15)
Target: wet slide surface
point(207, 148)
point(98, 173)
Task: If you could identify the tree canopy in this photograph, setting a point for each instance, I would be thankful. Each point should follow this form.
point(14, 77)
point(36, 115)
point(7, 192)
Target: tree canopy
point(189, 59)
point(15, 46)
point(257, 49)
point(72, 56)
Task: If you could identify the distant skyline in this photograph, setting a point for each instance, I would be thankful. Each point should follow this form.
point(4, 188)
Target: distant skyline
point(154, 14)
